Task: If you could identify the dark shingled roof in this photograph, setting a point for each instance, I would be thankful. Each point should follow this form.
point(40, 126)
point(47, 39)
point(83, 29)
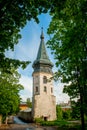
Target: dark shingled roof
point(42, 56)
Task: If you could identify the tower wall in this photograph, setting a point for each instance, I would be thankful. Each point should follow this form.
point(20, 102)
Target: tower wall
point(44, 102)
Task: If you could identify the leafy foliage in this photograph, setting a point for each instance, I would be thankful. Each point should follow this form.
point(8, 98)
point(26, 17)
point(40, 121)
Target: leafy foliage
point(59, 112)
point(29, 103)
point(14, 16)
point(69, 45)
point(75, 110)
point(67, 115)
point(9, 93)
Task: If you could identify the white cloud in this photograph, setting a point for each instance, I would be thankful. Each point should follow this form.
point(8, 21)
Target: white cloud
point(58, 91)
point(27, 83)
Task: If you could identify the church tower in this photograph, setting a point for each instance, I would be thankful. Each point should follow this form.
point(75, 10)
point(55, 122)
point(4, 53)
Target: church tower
point(44, 102)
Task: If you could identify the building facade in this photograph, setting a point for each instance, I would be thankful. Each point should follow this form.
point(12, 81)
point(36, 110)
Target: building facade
point(43, 102)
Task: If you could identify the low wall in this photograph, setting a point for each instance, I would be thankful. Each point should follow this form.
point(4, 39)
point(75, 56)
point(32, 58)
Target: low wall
point(25, 116)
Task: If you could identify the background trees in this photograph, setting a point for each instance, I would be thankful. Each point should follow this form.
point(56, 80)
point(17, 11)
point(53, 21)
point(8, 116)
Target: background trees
point(29, 103)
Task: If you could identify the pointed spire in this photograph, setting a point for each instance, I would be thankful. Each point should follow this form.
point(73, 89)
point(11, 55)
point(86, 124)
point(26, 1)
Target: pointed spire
point(42, 57)
point(42, 35)
point(42, 53)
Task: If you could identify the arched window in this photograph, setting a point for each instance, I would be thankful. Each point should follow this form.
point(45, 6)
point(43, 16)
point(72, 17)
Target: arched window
point(44, 79)
point(36, 90)
point(45, 89)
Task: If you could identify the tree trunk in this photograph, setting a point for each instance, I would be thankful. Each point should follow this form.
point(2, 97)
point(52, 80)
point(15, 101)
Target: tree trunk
point(82, 109)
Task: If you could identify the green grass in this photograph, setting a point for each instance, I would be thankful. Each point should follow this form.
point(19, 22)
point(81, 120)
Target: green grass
point(52, 123)
point(61, 124)
point(55, 123)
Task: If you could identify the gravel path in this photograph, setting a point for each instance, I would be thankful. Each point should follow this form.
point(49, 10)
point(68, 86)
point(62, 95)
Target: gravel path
point(24, 127)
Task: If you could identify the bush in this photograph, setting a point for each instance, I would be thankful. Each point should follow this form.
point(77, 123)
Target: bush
point(59, 112)
point(67, 114)
point(38, 120)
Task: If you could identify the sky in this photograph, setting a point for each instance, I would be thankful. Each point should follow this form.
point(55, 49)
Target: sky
point(26, 50)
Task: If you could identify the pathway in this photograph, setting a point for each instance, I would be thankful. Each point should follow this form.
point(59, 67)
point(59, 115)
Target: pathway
point(20, 125)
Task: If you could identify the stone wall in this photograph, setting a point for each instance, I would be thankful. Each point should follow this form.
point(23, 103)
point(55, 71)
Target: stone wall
point(25, 116)
point(44, 102)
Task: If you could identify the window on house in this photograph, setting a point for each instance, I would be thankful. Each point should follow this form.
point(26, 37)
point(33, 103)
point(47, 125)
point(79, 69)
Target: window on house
point(44, 79)
point(45, 89)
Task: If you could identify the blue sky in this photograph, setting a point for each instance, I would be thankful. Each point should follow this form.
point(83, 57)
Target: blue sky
point(26, 50)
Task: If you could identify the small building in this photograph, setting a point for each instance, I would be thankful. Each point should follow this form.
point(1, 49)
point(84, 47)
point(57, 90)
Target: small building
point(26, 115)
point(66, 106)
point(23, 106)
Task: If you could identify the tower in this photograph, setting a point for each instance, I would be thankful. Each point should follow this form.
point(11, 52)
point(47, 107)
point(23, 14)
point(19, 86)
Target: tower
point(44, 102)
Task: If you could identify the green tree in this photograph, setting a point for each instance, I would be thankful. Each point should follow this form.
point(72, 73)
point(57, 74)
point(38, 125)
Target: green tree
point(14, 15)
point(67, 114)
point(9, 93)
point(29, 103)
point(59, 112)
point(68, 42)
point(75, 110)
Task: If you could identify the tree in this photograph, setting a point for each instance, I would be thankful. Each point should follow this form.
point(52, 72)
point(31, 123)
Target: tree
point(69, 45)
point(59, 112)
point(13, 17)
point(9, 93)
point(29, 103)
point(75, 110)
point(67, 114)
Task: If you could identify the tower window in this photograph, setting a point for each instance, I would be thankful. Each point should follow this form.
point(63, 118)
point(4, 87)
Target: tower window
point(51, 90)
point(36, 79)
point(45, 89)
point(36, 90)
point(44, 79)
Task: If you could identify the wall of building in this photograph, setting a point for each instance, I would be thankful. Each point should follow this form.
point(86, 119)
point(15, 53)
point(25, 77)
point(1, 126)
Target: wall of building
point(44, 102)
point(25, 116)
